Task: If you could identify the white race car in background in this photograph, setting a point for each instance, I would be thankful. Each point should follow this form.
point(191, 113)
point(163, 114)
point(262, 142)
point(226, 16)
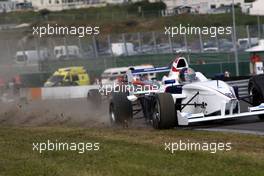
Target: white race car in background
point(181, 98)
point(111, 78)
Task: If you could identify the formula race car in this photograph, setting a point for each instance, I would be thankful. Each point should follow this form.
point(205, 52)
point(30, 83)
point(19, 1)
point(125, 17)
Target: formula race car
point(181, 98)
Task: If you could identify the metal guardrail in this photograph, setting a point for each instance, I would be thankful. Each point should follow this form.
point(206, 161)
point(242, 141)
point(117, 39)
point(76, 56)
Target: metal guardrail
point(242, 86)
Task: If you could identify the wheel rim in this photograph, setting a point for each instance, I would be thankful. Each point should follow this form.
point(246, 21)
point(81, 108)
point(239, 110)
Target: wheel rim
point(251, 91)
point(251, 95)
point(112, 115)
point(156, 114)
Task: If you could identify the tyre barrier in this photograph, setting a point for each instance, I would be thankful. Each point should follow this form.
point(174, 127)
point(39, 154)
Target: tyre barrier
point(242, 86)
point(45, 93)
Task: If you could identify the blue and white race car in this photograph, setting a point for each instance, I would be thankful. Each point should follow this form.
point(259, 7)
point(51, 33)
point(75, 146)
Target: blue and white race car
point(182, 97)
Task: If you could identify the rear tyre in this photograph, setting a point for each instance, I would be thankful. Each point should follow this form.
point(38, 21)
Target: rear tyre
point(120, 109)
point(255, 90)
point(94, 97)
point(164, 115)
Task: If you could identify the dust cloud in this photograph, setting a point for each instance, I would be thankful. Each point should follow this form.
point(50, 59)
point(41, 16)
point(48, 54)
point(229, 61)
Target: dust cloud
point(72, 112)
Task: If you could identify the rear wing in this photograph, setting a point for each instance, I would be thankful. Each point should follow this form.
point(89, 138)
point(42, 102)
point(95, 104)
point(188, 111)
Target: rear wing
point(150, 70)
point(131, 73)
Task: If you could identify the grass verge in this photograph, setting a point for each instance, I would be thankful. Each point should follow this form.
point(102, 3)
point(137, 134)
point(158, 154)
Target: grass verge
point(127, 152)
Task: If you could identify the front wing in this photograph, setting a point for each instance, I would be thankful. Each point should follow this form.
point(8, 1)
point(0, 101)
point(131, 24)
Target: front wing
point(185, 119)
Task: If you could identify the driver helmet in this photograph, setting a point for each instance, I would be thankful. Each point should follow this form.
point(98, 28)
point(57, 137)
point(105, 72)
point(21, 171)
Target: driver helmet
point(187, 75)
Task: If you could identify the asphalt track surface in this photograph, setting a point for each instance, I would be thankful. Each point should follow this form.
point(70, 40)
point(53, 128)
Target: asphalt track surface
point(247, 125)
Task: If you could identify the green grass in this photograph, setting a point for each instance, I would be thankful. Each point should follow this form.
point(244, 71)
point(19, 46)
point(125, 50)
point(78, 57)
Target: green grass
point(127, 152)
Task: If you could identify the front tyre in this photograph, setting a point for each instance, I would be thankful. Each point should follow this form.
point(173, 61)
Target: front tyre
point(164, 115)
point(255, 89)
